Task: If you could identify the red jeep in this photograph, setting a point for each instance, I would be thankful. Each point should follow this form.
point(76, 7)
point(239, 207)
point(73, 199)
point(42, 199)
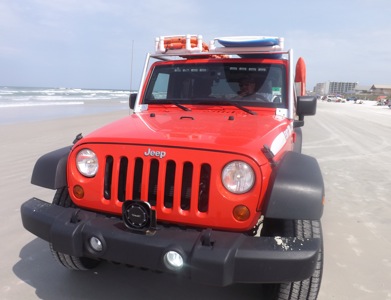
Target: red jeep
point(204, 179)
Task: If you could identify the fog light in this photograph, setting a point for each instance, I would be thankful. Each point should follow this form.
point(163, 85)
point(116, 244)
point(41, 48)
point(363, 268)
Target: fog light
point(173, 260)
point(96, 244)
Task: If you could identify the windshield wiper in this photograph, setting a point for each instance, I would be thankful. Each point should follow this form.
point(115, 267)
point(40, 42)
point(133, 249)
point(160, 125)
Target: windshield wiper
point(158, 102)
point(242, 108)
point(181, 106)
point(176, 104)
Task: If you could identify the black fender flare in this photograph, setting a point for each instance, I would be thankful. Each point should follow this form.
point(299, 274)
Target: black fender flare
point(296, 190)
point(299, 140)
point(50, 170)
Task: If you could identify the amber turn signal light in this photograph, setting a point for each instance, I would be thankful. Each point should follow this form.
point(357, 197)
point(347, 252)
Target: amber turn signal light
point(78, 191)
point(241, 213)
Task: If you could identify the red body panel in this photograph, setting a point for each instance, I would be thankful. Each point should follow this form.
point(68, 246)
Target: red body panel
point(201, 136)
point(203, 129)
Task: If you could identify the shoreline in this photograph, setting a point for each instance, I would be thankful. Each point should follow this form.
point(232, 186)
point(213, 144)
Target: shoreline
point(29, 114)
point(55, 129)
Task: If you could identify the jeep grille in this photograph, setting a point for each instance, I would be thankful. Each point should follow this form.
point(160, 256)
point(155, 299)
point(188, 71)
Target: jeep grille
point(139, 178)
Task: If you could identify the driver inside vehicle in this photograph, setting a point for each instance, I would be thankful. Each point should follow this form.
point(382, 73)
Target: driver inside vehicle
point(247, 87)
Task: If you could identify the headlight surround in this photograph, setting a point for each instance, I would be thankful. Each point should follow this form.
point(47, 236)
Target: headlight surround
point(87, 162)
point(238, 177)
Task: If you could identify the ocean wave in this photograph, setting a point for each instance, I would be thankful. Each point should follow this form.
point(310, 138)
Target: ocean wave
point(37, 96)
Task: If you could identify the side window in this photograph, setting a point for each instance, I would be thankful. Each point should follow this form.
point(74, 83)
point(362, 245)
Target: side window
point(277, 84)
point(159, 87)
point(273, 85)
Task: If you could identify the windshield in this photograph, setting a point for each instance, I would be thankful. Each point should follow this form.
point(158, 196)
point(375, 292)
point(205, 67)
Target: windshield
point(253, 84)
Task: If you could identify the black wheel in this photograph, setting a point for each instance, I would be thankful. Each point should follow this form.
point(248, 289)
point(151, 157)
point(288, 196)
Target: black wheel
point(301, 290)
point(62, 198)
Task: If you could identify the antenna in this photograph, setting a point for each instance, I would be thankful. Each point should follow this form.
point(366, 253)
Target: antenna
point(131, 67)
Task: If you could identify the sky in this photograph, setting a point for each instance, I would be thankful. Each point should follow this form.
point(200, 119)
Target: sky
point(102, 44)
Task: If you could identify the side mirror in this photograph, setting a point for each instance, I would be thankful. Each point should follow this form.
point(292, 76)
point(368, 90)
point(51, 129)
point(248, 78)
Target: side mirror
point(306, 106)
point(132, 100)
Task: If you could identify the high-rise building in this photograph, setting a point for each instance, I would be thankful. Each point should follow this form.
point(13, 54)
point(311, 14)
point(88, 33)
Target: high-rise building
point(333, 88)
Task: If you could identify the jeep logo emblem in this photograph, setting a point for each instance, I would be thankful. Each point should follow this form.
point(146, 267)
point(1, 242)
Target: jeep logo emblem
point(159, 154)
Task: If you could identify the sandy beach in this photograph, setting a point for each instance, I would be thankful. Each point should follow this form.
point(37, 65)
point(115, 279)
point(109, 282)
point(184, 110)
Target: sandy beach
point(352, 144)
point(21, 145)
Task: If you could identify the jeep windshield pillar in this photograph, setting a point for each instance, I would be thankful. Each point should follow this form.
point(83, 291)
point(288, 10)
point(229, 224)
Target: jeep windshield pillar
point(204, 179)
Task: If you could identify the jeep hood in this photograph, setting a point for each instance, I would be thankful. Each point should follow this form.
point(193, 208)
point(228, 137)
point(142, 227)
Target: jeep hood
point(233, 131)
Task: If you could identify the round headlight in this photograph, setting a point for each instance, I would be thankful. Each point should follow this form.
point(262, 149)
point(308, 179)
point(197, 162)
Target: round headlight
point(238, 177)
point(87, 162)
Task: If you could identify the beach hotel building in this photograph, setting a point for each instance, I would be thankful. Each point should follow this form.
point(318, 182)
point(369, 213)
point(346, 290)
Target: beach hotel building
point(335, 88)
point(374, 92)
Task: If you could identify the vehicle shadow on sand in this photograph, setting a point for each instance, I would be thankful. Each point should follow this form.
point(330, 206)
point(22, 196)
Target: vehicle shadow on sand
point(108, 281)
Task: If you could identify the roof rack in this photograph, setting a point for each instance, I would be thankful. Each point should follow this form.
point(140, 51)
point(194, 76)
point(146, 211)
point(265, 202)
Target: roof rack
point(193, 45)
point(180, 44)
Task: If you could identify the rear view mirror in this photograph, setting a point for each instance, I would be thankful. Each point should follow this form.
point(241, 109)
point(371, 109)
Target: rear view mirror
point(306, 106)
point(132, 100)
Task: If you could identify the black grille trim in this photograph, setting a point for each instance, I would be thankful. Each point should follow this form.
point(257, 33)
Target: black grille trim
point(158, 181)
point(123, 167)
point(108, 178)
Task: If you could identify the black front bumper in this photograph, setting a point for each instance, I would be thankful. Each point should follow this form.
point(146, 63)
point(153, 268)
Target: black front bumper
point(211, 257)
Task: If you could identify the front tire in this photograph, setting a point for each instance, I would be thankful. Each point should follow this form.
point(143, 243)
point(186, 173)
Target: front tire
point(61, 198)
point(307, 289)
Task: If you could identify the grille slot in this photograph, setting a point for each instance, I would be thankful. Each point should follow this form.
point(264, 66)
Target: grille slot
point(167, 183)
point(203, 201)
point(108, 178)
point(138, 173)
point(187, 179)
point(123, 167)
point(152, 186)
